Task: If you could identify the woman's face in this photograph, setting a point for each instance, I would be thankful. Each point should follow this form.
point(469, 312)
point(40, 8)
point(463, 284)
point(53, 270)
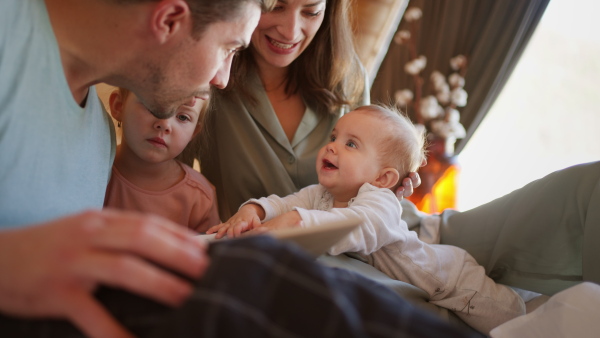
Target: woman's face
point(284, 33)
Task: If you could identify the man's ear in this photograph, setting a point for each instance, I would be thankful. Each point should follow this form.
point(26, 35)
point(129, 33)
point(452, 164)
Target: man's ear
point(169, 18)
point(388, 177)
point(115, 102)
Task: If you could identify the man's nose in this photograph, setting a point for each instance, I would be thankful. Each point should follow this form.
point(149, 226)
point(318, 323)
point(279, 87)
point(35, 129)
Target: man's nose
point(221, 78)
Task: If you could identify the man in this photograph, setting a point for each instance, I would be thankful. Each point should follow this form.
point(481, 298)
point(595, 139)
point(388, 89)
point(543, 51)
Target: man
point(58, 251)
point(59, 148)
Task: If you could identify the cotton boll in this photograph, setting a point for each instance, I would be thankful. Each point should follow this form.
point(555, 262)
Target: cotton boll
point(443, 94)
point(459, 97)
point(430, 109)
point(403, 97)
point(437, 79)
point(452, 115)
point(455, 80)
point(413, 14)
point(402, 37)
point(458, 62)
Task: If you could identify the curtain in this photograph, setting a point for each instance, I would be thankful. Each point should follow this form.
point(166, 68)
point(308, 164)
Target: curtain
point(491, 34)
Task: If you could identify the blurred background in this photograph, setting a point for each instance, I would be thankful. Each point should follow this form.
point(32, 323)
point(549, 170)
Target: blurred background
point(547, 117)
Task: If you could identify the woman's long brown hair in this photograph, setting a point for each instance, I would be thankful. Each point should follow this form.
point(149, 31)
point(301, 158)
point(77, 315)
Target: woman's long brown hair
point(328, 74)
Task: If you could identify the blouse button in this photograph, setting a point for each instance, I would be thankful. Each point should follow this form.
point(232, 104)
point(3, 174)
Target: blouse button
point(291, 159)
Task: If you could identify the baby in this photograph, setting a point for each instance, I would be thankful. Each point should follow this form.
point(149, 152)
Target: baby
point(370, 149)
point(146, 176)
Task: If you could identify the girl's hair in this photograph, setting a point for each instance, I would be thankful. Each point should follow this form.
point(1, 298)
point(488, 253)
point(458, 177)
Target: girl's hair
point(404, 145)
point(328, 74)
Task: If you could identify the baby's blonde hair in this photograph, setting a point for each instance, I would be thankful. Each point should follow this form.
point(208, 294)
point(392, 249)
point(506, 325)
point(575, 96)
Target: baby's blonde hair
point(403, 145)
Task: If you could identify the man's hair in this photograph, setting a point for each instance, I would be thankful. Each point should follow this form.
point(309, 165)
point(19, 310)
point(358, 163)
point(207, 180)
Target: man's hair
point(206, 12)
point(204, 110)
point(403, 145)
point(328, 74)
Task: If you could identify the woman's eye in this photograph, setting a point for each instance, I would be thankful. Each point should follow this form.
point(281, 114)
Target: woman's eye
point(183, 118)
point(313, 14)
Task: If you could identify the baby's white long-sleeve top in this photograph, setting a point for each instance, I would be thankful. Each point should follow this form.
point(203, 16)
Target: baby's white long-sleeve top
point(378, 208)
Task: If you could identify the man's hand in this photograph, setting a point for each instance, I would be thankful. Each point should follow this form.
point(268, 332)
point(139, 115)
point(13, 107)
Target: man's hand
point(246, 219)
point(51, 270)
point(408, 184)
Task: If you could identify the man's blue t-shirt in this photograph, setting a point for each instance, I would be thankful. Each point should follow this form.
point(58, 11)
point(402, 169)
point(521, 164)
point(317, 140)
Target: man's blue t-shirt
point(55, 157)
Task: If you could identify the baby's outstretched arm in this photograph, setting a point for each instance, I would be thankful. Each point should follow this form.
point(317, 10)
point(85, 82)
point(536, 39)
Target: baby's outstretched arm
point(289, 219)
point(247, 218)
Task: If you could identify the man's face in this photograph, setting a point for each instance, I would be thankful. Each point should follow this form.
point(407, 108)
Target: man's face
point(193, 65)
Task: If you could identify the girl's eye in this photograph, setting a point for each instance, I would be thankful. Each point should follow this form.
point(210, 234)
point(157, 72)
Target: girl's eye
point(183, 118)
point(351, 144)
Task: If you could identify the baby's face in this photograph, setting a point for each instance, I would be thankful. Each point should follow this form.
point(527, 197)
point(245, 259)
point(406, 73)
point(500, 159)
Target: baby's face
point(351, 158)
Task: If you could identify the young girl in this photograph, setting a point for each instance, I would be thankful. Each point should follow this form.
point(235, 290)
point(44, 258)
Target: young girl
point(370, 149)
point(146, 176)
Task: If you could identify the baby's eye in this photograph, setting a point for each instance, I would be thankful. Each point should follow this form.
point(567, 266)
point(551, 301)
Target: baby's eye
point(351, 144)
point(332, 138)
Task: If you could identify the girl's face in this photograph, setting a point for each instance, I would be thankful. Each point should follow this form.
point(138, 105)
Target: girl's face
point(156, 140)
point(284, 33)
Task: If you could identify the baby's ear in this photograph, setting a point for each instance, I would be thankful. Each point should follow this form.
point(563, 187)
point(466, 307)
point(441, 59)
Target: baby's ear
point(388, 177)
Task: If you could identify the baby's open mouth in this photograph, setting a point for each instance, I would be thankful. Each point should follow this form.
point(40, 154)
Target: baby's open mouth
point(328, 165)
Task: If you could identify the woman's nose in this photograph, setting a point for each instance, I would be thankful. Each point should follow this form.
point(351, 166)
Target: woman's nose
point(289, 27)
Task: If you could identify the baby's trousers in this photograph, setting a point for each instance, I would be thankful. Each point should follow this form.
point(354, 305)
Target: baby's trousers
point(452, 279)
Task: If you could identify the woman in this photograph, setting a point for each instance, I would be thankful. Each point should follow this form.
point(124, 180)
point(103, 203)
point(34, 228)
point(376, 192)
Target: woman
point(300, 74)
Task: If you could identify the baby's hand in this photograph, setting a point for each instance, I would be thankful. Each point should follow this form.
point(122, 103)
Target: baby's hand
point(246, 219)
point(290, 219)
